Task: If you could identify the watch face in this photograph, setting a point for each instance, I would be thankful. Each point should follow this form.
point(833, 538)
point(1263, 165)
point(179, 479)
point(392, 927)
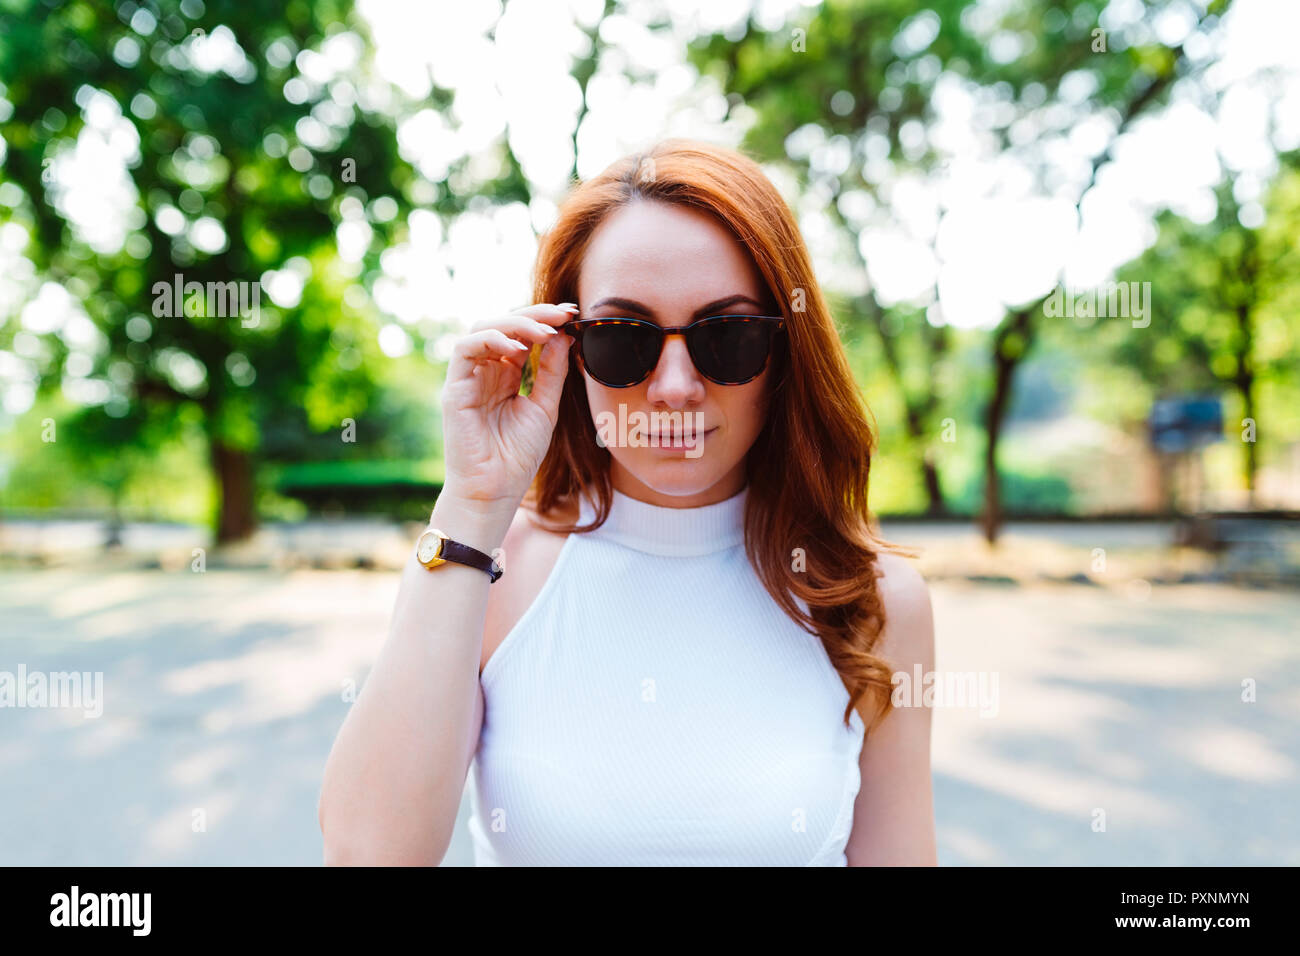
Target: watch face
point(428, 547)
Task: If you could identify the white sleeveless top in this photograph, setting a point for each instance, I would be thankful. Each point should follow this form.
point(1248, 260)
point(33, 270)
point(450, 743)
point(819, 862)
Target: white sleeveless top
point(655, 707)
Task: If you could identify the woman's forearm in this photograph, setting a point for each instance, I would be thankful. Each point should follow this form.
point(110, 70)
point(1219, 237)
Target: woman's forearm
point(393, 781)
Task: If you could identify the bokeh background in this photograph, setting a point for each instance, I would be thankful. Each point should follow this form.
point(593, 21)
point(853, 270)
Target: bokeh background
point(210, 510)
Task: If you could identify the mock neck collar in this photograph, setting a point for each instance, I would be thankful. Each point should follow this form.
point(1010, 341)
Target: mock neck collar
point(675, 532)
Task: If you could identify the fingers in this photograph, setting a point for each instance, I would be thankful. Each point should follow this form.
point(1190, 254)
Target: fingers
point(489, 345)
point(519, 360)
point(509, 338)
point(520, 327)
point(552, 367)
point(550, 314)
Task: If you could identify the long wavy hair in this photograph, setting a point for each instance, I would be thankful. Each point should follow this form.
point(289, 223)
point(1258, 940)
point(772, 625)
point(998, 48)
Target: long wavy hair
point(808, 532)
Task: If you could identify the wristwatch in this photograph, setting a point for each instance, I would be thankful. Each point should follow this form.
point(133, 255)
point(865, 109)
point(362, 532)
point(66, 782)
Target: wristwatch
point(434, 549)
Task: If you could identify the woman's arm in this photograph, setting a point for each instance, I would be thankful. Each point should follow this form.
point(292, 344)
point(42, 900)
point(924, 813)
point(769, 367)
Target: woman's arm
point(394, 778)
point(893, 817)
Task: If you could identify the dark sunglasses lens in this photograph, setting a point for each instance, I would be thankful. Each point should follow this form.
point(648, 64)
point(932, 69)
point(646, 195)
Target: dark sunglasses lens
point(731, 350)
point(618, 354)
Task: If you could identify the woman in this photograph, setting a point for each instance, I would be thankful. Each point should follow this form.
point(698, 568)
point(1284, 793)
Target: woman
point(687, 658)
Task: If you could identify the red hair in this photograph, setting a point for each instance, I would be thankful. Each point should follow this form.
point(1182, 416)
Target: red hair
point(807, 469)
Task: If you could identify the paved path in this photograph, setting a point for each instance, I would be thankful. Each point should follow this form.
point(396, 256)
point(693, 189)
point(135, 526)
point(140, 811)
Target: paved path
point(223, 692)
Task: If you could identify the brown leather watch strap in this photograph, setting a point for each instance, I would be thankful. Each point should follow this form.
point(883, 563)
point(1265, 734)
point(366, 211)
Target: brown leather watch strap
point(473, 557)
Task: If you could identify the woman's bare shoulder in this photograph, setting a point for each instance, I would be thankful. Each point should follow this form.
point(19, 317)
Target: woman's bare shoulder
point(909, 623)
point(900, 579)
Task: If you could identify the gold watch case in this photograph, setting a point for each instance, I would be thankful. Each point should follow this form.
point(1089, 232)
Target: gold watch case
point(428, 548)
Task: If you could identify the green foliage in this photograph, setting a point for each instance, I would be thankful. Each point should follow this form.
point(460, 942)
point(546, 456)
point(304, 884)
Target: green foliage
point(844, 98)
point(852, 79)
point(213, 146)
point(1224, 299)
point(1039, 492)
point(97, 464)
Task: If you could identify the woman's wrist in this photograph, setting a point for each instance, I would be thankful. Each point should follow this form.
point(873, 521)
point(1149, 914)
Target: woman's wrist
point(477, 522)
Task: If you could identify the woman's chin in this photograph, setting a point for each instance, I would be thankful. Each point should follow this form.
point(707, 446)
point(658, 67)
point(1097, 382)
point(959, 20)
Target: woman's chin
point(675, 476)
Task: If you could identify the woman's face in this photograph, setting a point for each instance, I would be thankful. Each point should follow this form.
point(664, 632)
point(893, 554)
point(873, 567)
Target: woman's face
point(664, 262)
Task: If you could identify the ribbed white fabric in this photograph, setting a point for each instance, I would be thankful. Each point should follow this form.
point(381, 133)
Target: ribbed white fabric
point(655, 707)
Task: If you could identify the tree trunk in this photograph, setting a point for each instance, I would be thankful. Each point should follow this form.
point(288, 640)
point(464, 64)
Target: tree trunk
point(234, 472)
point(918, 412)
point(1010, 346)
point(1245, 377)
point(932, 488)
point(1246, 385)
point(991, 516)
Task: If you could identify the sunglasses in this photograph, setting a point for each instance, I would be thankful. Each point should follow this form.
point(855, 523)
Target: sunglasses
point(726, 349)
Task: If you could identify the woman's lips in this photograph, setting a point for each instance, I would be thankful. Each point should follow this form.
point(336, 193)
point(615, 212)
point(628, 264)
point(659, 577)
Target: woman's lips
point(688, 440)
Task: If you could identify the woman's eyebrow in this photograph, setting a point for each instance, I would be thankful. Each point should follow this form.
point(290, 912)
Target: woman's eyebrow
point(632, 305)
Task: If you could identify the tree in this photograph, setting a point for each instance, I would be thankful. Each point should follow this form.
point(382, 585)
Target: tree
point(249, 154)
point(1228, 292)
point(856, 80)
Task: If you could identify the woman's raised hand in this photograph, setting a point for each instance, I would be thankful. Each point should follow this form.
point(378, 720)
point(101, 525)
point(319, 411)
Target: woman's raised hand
point(494, 438)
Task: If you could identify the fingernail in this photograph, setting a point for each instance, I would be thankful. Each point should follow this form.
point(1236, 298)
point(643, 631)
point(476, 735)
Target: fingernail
point(568, 306)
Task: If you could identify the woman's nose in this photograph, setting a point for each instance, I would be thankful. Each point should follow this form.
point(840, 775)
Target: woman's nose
point(675, 380)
